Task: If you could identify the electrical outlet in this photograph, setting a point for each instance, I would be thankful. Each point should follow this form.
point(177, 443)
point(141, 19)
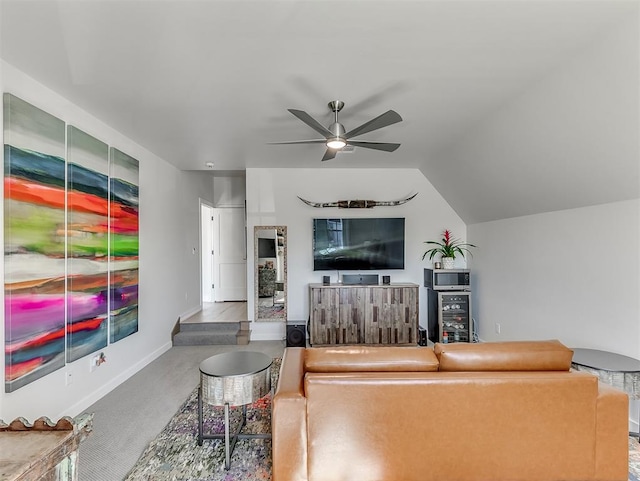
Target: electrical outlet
point(94, 362)
point(497, 328)
point(68, 378)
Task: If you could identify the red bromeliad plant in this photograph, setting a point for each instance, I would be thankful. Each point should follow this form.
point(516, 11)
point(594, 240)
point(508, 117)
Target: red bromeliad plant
point(447, 247)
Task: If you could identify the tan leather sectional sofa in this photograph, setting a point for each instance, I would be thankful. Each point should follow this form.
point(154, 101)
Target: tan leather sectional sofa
point(490, 411)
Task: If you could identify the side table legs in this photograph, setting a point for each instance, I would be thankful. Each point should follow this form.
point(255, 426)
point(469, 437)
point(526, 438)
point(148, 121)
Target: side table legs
point(229, 442)
point(632, 434)
point(199, 415)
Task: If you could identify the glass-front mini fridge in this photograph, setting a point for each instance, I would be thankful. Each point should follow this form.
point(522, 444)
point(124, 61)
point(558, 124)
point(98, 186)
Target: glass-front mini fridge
point(454, 317)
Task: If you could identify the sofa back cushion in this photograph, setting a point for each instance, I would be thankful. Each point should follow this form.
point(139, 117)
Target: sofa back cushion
point(504, 356)
point(424, 426)
point(370, 359)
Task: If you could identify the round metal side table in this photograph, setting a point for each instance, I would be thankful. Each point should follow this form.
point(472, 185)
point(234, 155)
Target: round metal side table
point(622, 372)
point(235, 378)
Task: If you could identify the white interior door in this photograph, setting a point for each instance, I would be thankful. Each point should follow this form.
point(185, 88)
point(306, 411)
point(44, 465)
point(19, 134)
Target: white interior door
point(207, 249)
point(230, 254)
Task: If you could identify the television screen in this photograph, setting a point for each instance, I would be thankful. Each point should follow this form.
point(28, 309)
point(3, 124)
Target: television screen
point(266, 247)
point(358, 244)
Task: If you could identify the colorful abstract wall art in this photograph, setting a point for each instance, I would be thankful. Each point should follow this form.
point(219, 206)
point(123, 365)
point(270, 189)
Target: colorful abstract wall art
point(71, 243)
point(123, 246)
point(34, 247)
point(87, 243)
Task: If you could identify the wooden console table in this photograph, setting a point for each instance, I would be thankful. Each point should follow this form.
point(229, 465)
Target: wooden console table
point(356, 314)
point(42, 451)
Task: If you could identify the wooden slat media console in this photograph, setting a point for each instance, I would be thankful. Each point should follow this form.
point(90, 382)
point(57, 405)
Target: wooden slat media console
point(378, 314)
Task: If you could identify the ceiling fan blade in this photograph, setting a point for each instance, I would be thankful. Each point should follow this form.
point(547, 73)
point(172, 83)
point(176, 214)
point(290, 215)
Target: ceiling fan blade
point(311, 141)
point(311, 122)
point(390, 117)
point(387, 147)
point(329, 154)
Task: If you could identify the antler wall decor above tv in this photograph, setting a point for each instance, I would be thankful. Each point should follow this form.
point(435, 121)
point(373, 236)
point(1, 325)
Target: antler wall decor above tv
point(357, 204)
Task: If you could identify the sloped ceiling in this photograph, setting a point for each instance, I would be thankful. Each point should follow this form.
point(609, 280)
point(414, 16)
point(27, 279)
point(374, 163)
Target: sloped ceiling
point(510, 107)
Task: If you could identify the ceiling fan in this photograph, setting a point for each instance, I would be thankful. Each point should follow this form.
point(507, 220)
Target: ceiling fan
point(336, 137)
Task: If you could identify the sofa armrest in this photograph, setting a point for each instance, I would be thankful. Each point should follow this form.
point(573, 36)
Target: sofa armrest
point(612, 434)
point(289, 420)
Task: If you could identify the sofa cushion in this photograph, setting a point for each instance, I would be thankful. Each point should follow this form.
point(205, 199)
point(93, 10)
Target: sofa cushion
point(441, 426)
point(504, 356)
point(370, 359)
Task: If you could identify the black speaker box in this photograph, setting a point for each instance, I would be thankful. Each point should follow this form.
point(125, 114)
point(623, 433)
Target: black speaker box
point(422, 336)
point(360, 279)
point(326, 280)
point(386, 280)
point(296, 335)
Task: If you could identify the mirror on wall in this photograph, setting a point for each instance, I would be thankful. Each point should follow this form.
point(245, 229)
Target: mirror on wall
point(270, 273)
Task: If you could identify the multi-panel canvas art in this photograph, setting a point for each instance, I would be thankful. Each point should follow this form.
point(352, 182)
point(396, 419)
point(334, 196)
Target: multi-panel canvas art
point(71, 243)
point(87, 243)
point(34, 246)
point(124, 245)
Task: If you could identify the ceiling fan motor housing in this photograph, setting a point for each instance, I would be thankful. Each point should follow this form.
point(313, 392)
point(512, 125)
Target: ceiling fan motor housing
point(337, 129)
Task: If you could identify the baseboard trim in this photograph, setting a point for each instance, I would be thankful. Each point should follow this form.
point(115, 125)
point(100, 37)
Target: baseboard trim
point(98, 394)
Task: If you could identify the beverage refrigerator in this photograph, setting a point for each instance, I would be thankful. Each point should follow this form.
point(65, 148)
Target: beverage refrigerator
point(449, 316)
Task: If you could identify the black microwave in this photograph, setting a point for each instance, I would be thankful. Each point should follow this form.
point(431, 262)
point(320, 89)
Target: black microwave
point(447, 279)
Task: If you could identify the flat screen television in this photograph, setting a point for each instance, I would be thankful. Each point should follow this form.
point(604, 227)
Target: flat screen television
point(266, 247)
point(358, 244)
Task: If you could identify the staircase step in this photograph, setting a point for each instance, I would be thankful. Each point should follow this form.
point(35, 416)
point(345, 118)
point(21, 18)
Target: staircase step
point(204, 338)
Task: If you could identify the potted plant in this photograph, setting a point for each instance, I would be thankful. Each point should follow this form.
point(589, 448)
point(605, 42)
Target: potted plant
point(448, 248)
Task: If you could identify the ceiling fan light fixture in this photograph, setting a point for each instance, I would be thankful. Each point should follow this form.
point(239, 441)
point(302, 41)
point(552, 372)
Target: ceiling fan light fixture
point(336, 143)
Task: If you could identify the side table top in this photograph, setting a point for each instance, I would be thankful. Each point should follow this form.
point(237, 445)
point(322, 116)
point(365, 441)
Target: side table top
point(235, 363)
point(605, 361)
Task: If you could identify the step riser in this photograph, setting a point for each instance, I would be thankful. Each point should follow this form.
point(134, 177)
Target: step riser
point(229, 339)
point(208, 326)
point(212, 333)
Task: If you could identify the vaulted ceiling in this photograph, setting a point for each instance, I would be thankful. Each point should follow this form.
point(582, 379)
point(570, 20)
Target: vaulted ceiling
point(510, 107)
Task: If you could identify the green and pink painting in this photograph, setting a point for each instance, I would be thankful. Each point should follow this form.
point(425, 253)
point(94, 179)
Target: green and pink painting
point(71, 244)
point(123, 300)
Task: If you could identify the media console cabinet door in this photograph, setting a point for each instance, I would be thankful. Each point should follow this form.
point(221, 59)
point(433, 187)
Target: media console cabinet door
point(323, 312)
point(363, 314)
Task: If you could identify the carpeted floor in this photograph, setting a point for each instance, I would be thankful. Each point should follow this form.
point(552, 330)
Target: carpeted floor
point(175, 455)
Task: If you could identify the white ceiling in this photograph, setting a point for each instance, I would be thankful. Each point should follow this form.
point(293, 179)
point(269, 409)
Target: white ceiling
point(211, 81)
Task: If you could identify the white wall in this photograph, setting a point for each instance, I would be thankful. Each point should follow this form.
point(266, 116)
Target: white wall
point(572, 275)
point(229, 191)
point(272, 200)
point(169, 282)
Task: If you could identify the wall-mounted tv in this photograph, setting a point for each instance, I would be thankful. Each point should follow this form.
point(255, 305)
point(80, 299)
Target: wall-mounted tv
point(358, 244)
point(266, 247)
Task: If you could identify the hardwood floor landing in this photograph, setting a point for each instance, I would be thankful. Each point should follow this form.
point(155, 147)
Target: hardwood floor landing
point(220, 312)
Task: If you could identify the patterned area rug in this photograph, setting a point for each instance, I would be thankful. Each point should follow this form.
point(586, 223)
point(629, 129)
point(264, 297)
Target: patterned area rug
point(175, 455)
point(634, 459)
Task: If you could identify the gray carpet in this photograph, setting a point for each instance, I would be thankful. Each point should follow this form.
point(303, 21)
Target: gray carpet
point(128, 418)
